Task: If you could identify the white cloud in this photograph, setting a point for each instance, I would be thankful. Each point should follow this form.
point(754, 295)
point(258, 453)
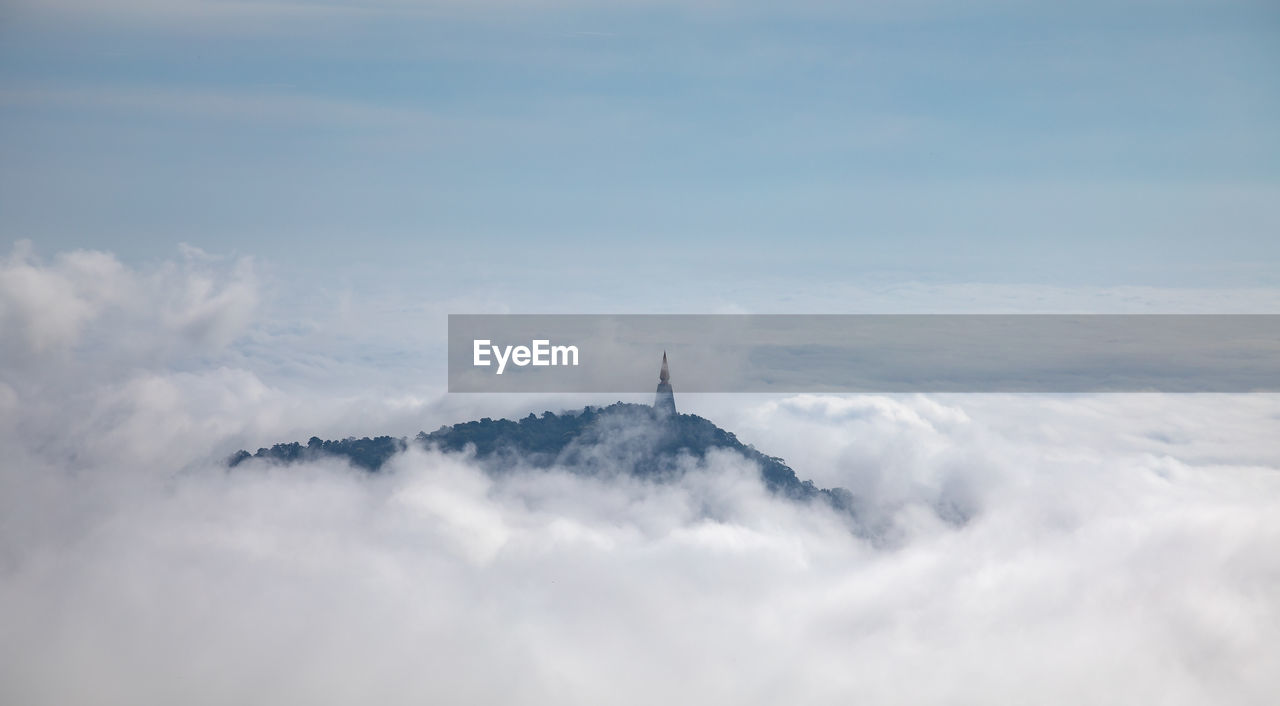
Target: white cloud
point(434, 582)
point(43, 309)
point(87, 297)
point(1119, 549)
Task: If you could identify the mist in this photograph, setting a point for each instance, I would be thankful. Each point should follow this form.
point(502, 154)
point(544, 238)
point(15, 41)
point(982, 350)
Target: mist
point(1117, 548)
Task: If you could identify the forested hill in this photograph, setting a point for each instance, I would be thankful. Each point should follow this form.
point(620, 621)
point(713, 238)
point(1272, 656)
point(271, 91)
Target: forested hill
point(620, 438)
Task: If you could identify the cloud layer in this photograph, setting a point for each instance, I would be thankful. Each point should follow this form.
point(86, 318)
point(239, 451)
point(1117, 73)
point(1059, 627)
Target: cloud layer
point(1120, 549)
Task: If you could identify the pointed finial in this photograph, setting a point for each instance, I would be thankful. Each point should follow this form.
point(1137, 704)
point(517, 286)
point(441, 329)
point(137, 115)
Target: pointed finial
point(664, 376)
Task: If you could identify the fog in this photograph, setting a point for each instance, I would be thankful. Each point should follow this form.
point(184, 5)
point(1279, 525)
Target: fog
point(1118, 548)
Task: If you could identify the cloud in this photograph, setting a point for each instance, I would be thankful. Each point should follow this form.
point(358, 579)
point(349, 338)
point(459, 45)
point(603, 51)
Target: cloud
point(434, 581)
point(245, 10)
point(43, 309)
point(1118, 549)
point(248, 10)
point(48, 310)
point(277, 105)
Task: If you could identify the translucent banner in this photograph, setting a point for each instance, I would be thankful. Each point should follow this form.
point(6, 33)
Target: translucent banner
point(865, 353)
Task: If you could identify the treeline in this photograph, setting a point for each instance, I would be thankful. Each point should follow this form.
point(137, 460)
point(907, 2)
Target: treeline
point(621, 438)
point(365, 453)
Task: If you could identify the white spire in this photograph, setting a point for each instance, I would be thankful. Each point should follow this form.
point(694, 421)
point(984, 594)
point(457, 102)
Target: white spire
point(665, 400)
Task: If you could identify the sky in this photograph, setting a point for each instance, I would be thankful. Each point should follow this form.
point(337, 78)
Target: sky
point(1008, 142)
point(384, 164)
point(225, 225)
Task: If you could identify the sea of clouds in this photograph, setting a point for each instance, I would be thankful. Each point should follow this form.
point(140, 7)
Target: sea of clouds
point(1118, 548)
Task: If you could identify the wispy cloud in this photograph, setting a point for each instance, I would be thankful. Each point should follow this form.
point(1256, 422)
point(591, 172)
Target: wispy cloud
point(271, 104)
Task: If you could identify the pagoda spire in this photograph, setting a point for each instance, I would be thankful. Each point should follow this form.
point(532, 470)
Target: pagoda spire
point(664, 402)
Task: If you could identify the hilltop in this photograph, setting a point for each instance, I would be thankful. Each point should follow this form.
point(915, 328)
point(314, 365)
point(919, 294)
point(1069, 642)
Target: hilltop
point(621, 438)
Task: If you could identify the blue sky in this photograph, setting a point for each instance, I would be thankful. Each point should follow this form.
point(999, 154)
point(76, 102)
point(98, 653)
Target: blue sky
point(471, 144)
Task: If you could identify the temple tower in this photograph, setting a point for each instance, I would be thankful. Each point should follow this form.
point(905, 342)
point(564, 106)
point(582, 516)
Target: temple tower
point(664, 402)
